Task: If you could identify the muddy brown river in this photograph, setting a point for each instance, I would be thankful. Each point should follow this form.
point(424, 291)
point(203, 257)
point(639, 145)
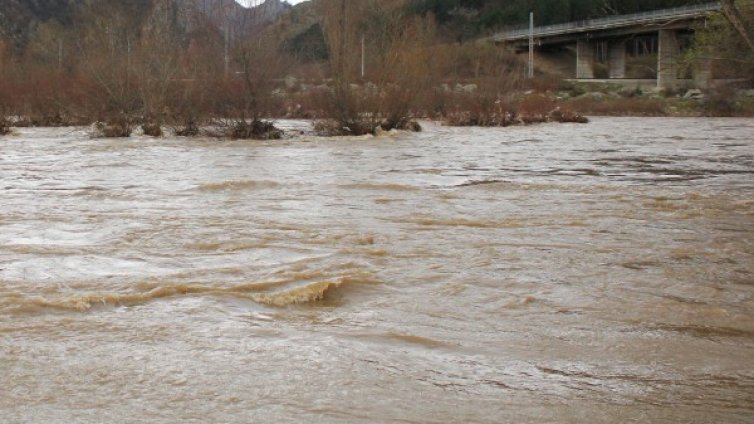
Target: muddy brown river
point(555, 273)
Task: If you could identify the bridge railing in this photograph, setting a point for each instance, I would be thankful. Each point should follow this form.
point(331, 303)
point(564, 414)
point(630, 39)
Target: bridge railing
point(609, 22)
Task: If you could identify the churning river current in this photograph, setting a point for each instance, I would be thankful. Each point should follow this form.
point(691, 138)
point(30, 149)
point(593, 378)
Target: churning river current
point(554, 273)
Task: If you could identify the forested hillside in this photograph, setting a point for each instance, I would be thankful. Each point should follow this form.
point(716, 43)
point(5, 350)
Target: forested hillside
point(18, 18)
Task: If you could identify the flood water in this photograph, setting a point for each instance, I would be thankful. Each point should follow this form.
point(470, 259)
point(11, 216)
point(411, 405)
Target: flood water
point(556, 273)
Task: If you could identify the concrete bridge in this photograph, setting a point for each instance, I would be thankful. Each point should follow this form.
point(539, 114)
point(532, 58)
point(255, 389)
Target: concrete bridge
point(664, 27)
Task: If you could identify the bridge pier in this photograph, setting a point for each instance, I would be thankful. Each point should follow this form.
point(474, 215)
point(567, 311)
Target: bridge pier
point(703, 75)
point(667, 55)
point(702, 71)
point(617, 59)
point(584, 59)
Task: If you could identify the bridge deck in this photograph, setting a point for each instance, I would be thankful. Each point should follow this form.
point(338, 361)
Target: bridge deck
point(645, 18)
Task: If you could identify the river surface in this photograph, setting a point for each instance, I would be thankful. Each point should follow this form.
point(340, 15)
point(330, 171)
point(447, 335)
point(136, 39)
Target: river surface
point(555, 273)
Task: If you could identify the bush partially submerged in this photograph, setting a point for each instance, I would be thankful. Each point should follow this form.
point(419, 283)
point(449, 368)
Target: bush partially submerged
point(52, 120)
point(510, 118)
point(190, 129)
point(255, 130)
point(485, 111)
point(566, 116)
point(479, 110)
point(152, 129)
point(363, 126)
point(4, 126)
point(114, 129)
point(412, 125)
point(338, 128)
point(478, 118)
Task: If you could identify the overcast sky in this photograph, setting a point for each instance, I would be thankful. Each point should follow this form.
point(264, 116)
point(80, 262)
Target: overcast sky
point(247, 2)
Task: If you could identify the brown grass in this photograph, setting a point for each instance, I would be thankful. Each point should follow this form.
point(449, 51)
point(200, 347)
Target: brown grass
point(624, 106)
point(542, 84)
point(479, 110)
point(487, 111)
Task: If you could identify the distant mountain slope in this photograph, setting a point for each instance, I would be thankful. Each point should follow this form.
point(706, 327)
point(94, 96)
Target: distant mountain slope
point(241, 19)
point(19, 17)
point(299, 27)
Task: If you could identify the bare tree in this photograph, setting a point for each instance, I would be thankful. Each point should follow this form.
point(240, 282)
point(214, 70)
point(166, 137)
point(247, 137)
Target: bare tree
point(733, 14)
point(157, 64)
point(254, 62)
point(397, 64)
point(107, 39)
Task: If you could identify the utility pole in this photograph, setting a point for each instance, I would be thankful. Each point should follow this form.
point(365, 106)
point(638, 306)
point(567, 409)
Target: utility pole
point(60, 54)
point(531, 45)
point(342, 79)
point(363, 55)
point(226, 57)
point(128, 62)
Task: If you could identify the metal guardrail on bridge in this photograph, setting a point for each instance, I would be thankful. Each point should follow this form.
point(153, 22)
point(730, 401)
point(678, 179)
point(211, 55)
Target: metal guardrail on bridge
point(650, 17)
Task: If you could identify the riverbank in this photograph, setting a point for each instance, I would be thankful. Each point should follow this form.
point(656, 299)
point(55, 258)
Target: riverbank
point(617, 100)
point(464, 105)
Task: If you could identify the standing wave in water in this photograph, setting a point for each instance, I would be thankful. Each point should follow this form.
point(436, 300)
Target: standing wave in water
point(258, 292)
point(238, 185)
point(554, 273)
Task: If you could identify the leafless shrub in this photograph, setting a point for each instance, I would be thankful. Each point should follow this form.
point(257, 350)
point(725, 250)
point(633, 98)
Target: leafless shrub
point(4, 126)
point(567, 116)
point(345, 127)
point(310, 104)
point(397, 67)
point(535, 108)
point(119, 127)
point(480, 110)
point(255, 130)
point(56, 120)
point(189, 129)
point(152, 129)
point(720, 101)
point(486, 111)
